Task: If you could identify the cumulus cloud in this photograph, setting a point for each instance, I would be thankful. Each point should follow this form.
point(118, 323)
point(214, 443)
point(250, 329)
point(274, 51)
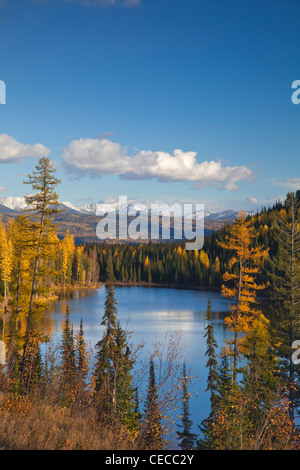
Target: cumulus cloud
point(252, 199)
point(11, 150)
point(98, 157)
point(292, 183)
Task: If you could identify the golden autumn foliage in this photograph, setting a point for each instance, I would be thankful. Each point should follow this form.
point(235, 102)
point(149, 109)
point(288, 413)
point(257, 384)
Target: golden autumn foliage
point(204, 258)
point(241, 425)
point(6, 257)
point(67, 248)
point(61, 262)
point(240, 282)
point(146, 264)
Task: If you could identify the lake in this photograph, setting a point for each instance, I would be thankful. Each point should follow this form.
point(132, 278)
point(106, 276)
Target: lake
point(151, 313)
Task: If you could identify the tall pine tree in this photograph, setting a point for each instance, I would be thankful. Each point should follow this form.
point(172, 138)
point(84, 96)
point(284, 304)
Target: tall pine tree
point(285, 293)
point(151, 431)
point(186, 436)
point(114, 391)
point(213, 382)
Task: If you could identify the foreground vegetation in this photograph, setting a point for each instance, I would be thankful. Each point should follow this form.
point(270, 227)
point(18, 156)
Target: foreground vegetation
point(35, 425)
point(56, 394)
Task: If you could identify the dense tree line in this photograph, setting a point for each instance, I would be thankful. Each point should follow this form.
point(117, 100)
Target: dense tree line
point(254, 382)
point(159, 263)
point(171, 264)
point(100, 383)
point(33, 263)
point(61, 263)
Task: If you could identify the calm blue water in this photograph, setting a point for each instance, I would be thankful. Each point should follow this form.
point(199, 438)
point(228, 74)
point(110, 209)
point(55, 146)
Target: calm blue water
point(151, 313)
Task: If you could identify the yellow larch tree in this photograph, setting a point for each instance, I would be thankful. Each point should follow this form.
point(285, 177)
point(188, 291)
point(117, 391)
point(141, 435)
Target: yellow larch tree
point(80, 278)
point(240, 285)
point(68, 251)
point(24, 242)
point(6, 254)
point(204, 258)
point(146, 263)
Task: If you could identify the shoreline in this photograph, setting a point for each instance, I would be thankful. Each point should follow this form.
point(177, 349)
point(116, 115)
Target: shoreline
point(165, 285)
point(261, 297)
point(136, 284)
point(54, 297)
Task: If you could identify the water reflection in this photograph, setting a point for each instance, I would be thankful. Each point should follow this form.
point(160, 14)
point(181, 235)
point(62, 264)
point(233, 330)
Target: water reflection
point(147, 311)
point(150, 313)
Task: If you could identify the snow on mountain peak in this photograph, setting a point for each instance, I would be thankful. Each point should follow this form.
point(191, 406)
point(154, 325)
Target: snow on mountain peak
point(14, 203)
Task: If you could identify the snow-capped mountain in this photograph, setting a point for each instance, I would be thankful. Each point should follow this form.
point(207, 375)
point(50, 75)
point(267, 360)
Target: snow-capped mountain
point(18, 203)
point(227, 214)
point(83, 219)
point(88, 208)
point(70, 205)
point(14, 203)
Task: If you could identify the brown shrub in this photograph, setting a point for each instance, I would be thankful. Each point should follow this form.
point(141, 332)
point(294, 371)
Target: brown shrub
point(33, 426)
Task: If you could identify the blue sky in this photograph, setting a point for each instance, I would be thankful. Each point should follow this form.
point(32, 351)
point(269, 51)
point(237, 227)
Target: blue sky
point(165, 100)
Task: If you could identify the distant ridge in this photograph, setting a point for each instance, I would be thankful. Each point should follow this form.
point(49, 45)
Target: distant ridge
point(6, 210)
point(18, 203)
point(81, 221)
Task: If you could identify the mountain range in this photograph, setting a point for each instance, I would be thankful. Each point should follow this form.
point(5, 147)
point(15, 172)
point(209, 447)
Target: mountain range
point(81, 220)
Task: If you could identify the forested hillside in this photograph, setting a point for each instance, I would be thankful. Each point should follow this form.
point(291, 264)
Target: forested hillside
point(253, 384)
point(167, 264)
point(171, 264)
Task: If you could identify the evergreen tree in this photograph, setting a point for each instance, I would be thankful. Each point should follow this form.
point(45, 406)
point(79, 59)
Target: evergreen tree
point(81, 353)
point(110, 267)
point(82, 364)
point(114, 392)
point(225, 378)
point(186, 437)
point(213, 379)
point(102, 380)
point(213, 382)
point(125, 399)
point(31, 363)
point(285, 292)
point(151, 426)
point(68, 365)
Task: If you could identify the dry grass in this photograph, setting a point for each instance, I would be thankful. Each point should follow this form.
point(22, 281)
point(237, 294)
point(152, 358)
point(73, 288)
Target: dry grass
point(29, 426)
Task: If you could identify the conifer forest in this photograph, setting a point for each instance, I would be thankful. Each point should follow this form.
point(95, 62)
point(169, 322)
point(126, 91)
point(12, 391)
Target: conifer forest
point(65, 396)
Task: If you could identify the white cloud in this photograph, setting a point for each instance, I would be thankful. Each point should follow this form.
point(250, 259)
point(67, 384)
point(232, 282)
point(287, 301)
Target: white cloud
point(97, 157)
point(11, 150)
point(252, 199)
point(292, 183)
